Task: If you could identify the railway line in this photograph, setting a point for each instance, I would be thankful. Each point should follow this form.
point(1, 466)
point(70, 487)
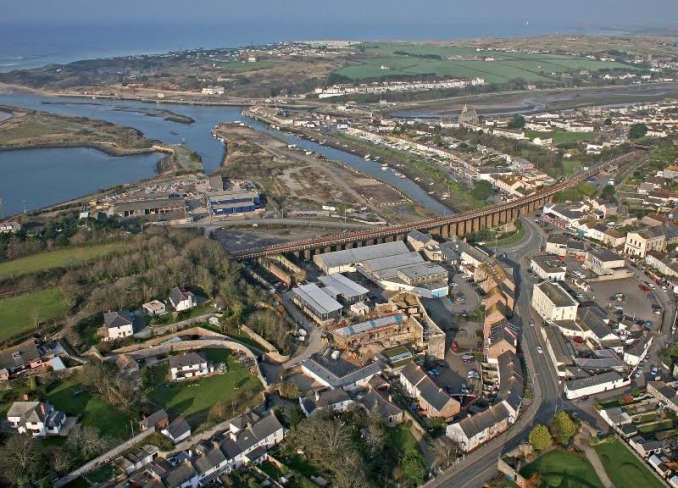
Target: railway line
point(457, 224)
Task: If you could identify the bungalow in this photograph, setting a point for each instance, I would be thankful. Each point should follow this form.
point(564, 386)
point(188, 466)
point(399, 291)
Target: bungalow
point(182, 300)
point(177, 430)
point(189, 365)
point(118, 325)
point(333, 371)
point(645, 447)
point(38, 419)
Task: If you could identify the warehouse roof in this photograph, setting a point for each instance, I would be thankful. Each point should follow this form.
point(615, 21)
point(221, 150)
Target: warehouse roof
point(392, 262)
point(317, 299)
point(360, 254)
point(421, 270)
point(338, 284)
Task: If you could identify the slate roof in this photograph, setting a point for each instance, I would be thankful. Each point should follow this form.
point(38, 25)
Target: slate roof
point(178, 427)
point(118, 319)
point(19, 355)
point(153, 419)
point(187, 359)
point(180, 474)
point(373, 401)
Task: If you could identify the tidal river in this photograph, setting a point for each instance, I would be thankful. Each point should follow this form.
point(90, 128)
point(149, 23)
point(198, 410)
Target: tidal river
point(37, 178)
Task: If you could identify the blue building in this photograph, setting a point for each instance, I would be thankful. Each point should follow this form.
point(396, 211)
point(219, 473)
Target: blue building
point(231, 202)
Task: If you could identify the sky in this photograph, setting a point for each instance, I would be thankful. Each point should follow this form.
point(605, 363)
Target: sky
point(590, 12)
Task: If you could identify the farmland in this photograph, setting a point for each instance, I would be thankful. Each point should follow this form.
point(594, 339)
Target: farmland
point(465, 62)
point(24, 311)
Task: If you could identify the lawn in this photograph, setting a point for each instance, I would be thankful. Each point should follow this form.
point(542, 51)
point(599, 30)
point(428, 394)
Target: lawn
point(193, 399)
point(90, 409)
point(560, 468)
point(655, 427)
point(509, 240)
point(623, 468)
point(73, 256)
point(21, 312)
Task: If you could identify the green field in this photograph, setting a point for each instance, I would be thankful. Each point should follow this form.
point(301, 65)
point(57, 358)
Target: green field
point(194, 402)
point(461, 62)
point(73, 256)
point(19, 313)
point(559, 468)
point(241, 67)
point(623, 468)
point(91, 410)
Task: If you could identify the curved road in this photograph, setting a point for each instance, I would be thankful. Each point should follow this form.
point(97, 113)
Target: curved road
point(480, 465)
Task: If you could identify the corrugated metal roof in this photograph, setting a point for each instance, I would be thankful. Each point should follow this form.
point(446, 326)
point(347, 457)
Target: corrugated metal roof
point(317, 299)
point(343, 286)
point(373, 324)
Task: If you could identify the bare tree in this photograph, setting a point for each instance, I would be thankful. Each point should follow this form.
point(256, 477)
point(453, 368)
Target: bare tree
point(59, 460)
point(22, 461)
point(87, 442)
point(445, 451)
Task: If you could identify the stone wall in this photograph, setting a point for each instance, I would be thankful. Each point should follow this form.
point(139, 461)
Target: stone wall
point(103, 459)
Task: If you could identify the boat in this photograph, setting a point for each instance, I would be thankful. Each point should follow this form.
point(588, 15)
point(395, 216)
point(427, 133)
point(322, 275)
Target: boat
point(402, 176)
point(367, 157)
point(384, 167)
point(430, 184)
point(417, 179)
point(445, 195)
point(431, 192)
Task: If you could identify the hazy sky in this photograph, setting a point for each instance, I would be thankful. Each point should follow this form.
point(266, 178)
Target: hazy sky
point(597, 12)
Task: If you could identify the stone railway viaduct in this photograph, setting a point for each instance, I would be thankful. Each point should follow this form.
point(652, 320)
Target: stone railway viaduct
point(459, 224)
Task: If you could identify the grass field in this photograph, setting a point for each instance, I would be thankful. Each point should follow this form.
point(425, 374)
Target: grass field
point(623, 468)
point(194, 402)
point(90, 409)
point(559, 468)
point(461, 62)
point(19, 313)
point(73, 256)
point(243, 67)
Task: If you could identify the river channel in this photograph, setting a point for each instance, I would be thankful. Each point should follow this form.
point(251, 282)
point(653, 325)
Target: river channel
point(68, 181)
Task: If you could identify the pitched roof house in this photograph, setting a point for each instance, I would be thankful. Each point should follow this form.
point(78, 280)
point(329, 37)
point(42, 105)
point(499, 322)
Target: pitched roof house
point(182, 300)
point(35, 418)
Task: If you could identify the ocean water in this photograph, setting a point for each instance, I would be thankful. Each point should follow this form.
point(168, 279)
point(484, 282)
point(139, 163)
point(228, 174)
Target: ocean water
point(32, 45)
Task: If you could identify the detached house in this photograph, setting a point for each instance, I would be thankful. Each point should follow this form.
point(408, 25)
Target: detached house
point(118, 325)
point(189, 365)
point(182, 300)
point(38, 419)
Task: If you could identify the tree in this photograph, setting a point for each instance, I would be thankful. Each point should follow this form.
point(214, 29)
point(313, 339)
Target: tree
point(22, 461)
point(445, 451)
point(607, 193)
point(86, 442)
point(608, 121)
point(540, 437)
point(563, 427)
point(638, 131)
point(517, 122)
point(413, 466)
point(482, 190)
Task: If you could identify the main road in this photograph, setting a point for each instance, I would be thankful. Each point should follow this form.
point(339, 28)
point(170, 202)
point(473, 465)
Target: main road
point(480, 465)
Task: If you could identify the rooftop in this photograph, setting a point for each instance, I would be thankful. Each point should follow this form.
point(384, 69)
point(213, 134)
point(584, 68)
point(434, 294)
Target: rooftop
point(340, 285)
point(370, 325)
point(598, 379)
point(360, 254)
point(556, 294)
point(316, 298)
point(549, 263)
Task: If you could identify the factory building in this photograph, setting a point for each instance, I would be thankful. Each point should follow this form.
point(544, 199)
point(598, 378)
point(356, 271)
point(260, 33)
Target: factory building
point(320, 306)
point(232, 201)
point(154, 210)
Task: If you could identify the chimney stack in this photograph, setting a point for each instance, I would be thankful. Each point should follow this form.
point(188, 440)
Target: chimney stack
point(43, 409)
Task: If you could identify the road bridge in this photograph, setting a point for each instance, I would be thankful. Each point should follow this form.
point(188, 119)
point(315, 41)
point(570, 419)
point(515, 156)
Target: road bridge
point(459, 224)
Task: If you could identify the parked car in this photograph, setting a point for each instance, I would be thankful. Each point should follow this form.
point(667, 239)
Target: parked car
point(531, 322)
point(540, 350)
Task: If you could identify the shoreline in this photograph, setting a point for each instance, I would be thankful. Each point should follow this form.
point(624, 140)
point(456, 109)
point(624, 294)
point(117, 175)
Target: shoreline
point(108, 150)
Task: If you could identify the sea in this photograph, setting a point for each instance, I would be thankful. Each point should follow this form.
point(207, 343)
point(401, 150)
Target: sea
point(33, 45)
